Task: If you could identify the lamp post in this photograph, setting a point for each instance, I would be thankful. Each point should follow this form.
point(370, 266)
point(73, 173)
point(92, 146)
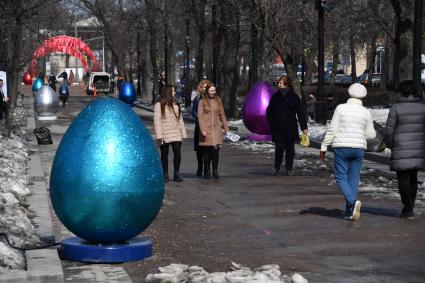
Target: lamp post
point(417, 42)
point(187, 67)
point(321, 104)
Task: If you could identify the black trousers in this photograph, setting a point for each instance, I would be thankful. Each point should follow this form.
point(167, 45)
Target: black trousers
point(408, 187)
point(176, 146)
point(289, 149)
point(3, 109)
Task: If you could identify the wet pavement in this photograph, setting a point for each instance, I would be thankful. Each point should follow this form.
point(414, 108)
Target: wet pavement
point(252, 218)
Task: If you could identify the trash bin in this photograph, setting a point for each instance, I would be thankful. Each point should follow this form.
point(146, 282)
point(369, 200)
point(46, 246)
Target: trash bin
point(43, 135)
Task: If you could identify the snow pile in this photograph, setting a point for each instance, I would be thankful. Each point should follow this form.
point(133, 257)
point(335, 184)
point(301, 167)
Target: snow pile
point(239, 274)
point(15, 225)
point(265, 147)
point(379, 115)
point(235, 123)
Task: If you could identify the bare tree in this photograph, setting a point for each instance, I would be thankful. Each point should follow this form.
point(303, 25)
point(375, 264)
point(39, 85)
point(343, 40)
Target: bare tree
point(19, 17)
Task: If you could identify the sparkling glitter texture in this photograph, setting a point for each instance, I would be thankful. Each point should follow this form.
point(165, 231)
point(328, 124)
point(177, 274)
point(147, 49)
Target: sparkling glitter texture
point(254, 108)
point(106, 182)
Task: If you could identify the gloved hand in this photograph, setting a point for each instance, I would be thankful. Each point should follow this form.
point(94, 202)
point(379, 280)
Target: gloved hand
point(322, 155)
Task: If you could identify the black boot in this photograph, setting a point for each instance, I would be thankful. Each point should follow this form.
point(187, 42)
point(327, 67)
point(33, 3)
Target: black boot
point(177, 177)
point(200, 158)
point(207, 164)
point(164, 162)
point(214, 158)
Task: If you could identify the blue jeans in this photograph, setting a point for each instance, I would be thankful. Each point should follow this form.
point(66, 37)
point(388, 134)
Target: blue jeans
point(347, 164)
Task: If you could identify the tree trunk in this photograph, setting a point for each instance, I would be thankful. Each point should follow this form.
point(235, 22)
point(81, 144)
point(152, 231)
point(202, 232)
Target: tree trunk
point(146, 69)
point(353, 60)
point(13, 68)
point(310, 64)
point(385, 66)
point(229, 73)
point(171, 52)
point(218, 32)
point(371, 58)
point(253, 73)
point(153, 51)
point(335, 61)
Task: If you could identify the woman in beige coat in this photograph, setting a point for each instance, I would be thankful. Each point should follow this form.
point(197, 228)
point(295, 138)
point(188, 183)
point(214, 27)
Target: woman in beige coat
point(211, 117)
point(169, 129)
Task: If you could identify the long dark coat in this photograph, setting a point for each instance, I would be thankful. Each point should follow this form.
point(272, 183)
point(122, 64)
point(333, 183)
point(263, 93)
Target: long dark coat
point(284, 108)
point(405, 134)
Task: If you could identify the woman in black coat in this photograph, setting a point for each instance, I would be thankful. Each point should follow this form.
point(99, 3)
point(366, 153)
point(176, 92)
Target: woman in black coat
point(405, 135)
point(284, 108)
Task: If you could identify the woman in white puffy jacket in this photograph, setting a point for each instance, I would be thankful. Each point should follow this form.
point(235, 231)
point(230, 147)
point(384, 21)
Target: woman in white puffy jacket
point(169, 129)
point(350, 127)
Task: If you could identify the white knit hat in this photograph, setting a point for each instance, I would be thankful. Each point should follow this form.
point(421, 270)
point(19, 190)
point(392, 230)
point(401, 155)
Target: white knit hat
point(357, 90)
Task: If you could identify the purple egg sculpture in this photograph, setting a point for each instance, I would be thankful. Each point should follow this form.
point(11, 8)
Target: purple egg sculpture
point(254, 108)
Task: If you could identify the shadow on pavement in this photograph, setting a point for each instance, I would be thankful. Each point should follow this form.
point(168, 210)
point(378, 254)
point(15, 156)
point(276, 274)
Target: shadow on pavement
point(389, 212)
point(334, 213)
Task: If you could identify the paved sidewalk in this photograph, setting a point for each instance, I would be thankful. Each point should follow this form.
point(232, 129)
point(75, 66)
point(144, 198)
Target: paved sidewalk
point(252, 218)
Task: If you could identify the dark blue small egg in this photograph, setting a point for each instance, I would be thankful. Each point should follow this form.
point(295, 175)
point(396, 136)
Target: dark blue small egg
point(106, 182)
point(38, 83)
point(128, 93)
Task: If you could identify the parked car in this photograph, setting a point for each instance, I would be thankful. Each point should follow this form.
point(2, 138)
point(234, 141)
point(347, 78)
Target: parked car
point(343, 79)
point(364, 79)
point(101, 81)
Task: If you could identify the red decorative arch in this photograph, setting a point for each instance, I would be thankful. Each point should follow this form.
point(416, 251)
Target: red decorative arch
point(68, 45)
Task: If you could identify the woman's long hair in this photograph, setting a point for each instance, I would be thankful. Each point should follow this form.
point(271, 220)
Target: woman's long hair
point(207, 99)
point(167, 100)
point(200, 88)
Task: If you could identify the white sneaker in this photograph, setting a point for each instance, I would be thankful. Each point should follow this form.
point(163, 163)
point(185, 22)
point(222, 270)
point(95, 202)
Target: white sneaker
point(356, 211)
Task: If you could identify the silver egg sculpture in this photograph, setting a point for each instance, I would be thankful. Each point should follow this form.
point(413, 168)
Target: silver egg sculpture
point(46, 103)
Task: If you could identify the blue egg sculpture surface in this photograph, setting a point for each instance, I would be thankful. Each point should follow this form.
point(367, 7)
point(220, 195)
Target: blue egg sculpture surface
point(128, 93)
point(106, 182)
point(38, 83)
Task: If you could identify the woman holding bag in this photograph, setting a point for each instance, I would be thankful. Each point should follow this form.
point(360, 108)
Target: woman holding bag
point(282, 113)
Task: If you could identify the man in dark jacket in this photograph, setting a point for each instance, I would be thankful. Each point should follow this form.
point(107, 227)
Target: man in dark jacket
point(284, 108)
point(405, 135)
point(3, 101)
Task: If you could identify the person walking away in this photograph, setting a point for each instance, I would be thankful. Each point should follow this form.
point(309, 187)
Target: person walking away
point(52, 82)
point(311, 106)
point(169, 129)
point(200, 93)
point(71, 78)
point(64, 93)
point(64, 75)
point(3, 101)
point(211, 117)
point(284, 108)
point(348, 131)
point(405, 135)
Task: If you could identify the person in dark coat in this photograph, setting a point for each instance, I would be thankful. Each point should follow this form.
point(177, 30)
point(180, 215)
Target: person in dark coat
point(3, 101)
point(284, 108)
point(405, 135)
point(200, 92)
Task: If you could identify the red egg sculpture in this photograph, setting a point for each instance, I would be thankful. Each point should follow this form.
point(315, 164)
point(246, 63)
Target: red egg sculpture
point(27, 78)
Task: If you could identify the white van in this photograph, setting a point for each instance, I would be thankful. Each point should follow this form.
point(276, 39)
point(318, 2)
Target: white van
point(102, 81)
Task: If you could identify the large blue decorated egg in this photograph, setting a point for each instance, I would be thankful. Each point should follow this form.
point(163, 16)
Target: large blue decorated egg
point(106, 182)
point(128, 93)
point(37, 84)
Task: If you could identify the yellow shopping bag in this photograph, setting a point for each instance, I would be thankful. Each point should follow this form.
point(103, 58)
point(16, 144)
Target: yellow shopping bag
point(305, 141)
